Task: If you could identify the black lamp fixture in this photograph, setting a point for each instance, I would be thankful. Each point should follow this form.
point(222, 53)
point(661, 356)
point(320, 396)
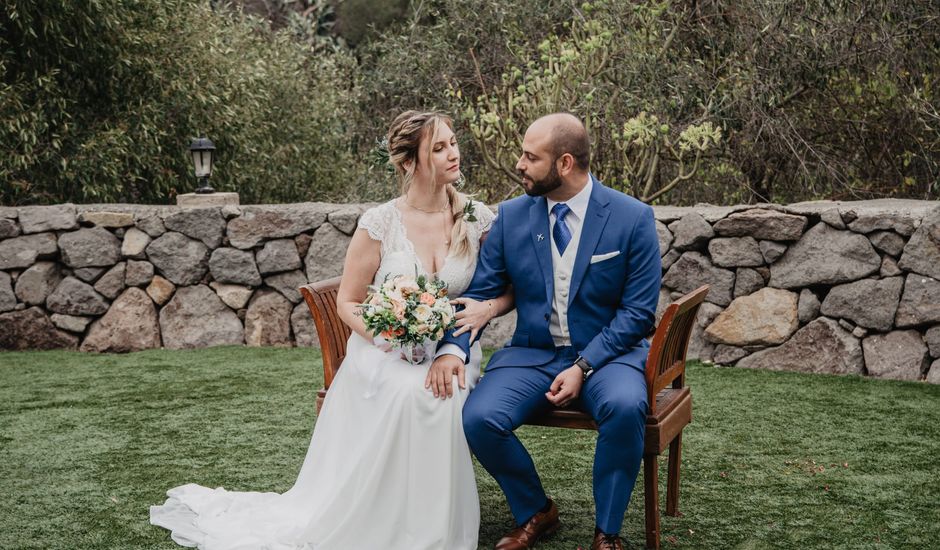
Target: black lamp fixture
point(202, 151)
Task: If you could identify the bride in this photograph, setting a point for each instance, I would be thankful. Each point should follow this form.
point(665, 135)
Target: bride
point(388, 465)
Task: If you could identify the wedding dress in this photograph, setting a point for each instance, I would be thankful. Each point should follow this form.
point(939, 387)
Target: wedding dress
point(388, 466)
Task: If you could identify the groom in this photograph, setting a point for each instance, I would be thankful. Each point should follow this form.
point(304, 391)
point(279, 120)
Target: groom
point(584, 264)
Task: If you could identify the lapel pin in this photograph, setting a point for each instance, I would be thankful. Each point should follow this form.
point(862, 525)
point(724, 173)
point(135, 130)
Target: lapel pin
point(541, 237)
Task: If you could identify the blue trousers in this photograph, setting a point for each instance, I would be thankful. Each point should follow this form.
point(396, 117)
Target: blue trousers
point(505, 398)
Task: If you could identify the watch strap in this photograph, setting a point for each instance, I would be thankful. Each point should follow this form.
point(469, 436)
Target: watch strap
point(585, 367)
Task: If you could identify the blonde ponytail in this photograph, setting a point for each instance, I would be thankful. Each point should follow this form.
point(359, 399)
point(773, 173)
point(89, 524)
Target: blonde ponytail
point(459, 236)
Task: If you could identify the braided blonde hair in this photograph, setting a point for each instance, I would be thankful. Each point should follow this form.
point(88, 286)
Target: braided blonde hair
point(404, 138)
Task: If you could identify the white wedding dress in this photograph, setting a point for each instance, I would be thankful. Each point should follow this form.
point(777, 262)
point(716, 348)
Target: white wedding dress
point(388, 465)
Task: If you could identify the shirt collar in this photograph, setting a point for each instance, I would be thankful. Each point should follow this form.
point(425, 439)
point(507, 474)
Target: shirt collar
point(578, 203)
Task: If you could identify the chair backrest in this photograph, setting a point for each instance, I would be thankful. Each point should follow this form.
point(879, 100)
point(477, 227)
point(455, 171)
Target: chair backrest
point(665, 363)
point(333, 332)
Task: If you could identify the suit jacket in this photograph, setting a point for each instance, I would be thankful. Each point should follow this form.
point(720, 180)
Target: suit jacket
point(611, 303)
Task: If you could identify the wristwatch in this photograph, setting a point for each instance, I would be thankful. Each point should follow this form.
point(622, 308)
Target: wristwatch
point(585, 367)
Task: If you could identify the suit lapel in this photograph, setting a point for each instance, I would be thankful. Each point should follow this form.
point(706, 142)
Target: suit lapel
point(538, 226)
point(595, 218)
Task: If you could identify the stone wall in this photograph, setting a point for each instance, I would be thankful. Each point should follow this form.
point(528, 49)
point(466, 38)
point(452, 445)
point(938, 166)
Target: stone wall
point(121, 278)
point(849, 287)
point(842, 288)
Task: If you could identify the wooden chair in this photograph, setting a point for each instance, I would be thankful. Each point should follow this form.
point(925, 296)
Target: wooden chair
point(332, 331)
point(670, 400)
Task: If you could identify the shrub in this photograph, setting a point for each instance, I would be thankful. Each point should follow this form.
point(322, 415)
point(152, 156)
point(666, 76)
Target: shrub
point(826, 100)
point(595, 72)
point(715, 100)
point(101, 99)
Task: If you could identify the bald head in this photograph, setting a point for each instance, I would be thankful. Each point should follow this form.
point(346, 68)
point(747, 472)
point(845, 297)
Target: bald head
point(566, 134)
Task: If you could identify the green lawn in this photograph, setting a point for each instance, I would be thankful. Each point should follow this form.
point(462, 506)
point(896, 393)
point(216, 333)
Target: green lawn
point(772, 460)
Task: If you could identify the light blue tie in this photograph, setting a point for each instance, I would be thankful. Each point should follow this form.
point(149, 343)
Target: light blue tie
point(561, 233)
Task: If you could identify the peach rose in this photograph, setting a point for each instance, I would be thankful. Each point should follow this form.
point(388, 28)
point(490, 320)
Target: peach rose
point(392, 333)
point(406, 284)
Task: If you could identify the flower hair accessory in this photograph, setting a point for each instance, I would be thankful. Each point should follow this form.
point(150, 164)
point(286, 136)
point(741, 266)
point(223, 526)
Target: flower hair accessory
point(380, 156)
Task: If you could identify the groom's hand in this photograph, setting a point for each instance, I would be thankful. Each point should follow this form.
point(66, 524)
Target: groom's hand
point(440, 379)
point(565, 387)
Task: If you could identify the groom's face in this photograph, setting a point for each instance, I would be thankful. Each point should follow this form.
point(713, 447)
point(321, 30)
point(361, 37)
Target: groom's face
point(538, 187)
point(537, 165)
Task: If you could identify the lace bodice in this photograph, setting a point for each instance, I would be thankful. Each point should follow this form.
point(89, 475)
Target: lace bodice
point(384, 224)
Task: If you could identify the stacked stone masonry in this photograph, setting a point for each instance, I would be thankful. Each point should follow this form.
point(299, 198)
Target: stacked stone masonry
point(830, 287)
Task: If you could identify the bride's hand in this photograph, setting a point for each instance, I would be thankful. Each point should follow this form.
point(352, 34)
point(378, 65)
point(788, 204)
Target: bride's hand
point(474, 315)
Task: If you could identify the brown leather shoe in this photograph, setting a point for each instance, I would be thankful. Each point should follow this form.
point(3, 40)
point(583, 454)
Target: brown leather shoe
point(539, 526)
point(607, 542)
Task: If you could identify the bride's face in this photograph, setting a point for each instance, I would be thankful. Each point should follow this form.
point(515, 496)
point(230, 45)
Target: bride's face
point(440, 156)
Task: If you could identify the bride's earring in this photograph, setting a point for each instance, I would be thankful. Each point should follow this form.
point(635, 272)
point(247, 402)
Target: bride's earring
point(460, 182)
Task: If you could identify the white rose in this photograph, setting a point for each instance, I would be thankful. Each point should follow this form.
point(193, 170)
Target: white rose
point(445, 310)
point(423, 312)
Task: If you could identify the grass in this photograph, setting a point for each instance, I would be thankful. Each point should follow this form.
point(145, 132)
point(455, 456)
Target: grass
point(772, 460)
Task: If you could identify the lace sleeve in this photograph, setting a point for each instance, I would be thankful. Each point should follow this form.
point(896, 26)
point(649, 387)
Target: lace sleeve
point(484, 217)
point(375, 221)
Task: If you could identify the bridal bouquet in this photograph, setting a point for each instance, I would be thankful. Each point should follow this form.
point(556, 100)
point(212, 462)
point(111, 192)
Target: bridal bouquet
point(410, 313)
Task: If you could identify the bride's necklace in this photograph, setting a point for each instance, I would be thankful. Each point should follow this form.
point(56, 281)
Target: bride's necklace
point(441, 209)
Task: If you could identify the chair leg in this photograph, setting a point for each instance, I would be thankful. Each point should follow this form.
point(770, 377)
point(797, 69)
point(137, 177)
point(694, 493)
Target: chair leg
point(672, 479)
point(651, 482)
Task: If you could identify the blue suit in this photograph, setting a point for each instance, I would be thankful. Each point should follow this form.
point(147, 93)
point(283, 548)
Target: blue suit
point(611, 308)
